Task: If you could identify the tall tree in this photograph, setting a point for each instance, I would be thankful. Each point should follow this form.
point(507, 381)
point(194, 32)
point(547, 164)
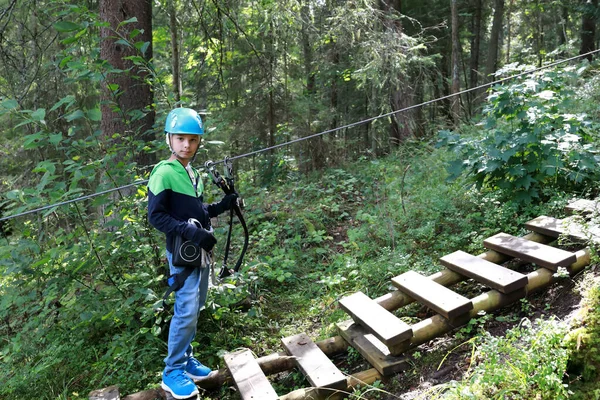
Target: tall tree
point(315, 146)
point(493, 48)
point(588, 27)
point(475, 41)
point(126, 46)
point(455, 100)
point(401, 95)
point(175, 59)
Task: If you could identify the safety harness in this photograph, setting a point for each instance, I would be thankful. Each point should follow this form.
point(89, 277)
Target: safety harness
point(226, 183)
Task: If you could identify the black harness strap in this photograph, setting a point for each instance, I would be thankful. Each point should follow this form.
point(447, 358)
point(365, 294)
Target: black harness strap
point(227, 185)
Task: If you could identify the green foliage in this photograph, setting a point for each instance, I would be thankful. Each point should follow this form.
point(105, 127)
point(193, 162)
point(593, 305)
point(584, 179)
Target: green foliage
point(532, 142)
point(528, 362)
point(583, 342)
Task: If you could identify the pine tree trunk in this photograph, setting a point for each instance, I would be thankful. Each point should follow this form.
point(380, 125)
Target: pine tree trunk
point(588, 27)
point(177, 89)
point(315, 146)
point(455, 100)
point(492, 60)
point(126, 91)
point(401, 96)
point(475, 41)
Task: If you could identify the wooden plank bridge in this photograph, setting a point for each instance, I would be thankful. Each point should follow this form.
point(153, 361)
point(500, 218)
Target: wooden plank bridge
point(382, 338)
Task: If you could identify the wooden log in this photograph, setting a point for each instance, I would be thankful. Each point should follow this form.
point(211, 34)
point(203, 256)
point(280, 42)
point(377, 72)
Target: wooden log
point(541, 254)
point(430, 293)
point(362, 378)
point(108, 393)
point(437, 325)
point(250, 380)
point(151, 394)
point(380, 322)
point(396, 299)
point(583, 206)
point(318, 369)
point(490, 274)
point(569, 227)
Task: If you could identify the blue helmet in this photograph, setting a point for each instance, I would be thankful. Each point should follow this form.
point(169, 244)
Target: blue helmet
point(184, 121)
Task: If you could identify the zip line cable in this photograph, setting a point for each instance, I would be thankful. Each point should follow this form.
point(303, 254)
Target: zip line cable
point(362, 122)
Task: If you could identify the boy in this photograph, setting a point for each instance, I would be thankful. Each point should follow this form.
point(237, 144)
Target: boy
point(175, 196)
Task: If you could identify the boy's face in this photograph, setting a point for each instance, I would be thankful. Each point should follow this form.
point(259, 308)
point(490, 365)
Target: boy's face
point(185, 146)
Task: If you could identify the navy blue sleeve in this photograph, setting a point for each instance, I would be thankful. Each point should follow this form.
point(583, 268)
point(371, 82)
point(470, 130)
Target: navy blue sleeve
point(161, 219)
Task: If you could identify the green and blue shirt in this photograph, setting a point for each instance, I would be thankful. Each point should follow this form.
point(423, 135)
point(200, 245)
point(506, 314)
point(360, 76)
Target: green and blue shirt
point(174, 196)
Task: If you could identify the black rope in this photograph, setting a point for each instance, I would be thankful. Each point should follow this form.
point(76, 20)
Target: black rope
point(362, 122)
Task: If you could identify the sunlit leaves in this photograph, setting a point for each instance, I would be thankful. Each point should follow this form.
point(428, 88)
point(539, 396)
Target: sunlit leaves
point(533, 140)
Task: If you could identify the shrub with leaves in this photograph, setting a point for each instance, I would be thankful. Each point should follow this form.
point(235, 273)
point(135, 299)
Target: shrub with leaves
point(528, 363)
point(532, 139)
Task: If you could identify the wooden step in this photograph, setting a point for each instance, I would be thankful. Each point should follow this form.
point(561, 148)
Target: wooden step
point(251, 382)
point(435, 296)
point(492, 275)
point(372, 349)
point(315, 365)
point(545, 256)
point(376, 319)
point(583, 206)
point(569, 227)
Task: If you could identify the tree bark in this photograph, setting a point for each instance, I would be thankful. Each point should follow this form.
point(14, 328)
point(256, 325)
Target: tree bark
point(315, 146)
point(475, 41)
point(126, 92)
point(562, 29)
point(401, 94)
point(455, 100)
point(492, 60)
point(175, 59)
point(588, 28)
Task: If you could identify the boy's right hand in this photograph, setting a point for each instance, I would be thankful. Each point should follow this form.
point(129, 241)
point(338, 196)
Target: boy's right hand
point(205, 239)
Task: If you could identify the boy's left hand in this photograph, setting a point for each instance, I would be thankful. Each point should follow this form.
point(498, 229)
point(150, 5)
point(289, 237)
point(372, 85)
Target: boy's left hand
point(228, 201)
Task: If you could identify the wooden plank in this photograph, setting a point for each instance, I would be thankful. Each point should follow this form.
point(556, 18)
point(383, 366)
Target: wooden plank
point(383, 324)
point(545, 256)
point(314, 364)
point(493, 275)
point(435, 296)
point(583, 206)
point(568, 227)
point(372, 349)
point(251, 382)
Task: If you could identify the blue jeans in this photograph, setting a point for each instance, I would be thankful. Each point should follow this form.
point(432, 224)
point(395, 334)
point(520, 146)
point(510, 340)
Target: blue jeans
point(189, 301)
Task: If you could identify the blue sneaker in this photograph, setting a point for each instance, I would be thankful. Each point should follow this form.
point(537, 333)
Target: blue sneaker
point(195, 370)
point(179, 384)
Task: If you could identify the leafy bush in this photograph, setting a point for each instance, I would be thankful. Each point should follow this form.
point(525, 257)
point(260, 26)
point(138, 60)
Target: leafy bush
point(528, 363)
point(584, 342)
point(532, 142)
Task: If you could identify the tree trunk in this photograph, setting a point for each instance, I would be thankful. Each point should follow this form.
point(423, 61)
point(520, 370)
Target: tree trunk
point(475, 41)
point(315, 146)
point(509, 29)
point(177, 88)
point(126, 92)
point(401, 94)
point(455, 100)
point(492, 60)
point(588, 27)
point(562, 30)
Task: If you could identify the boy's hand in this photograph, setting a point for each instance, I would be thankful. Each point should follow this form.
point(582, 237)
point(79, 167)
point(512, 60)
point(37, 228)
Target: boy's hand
point(205, 239)
point(228, 201)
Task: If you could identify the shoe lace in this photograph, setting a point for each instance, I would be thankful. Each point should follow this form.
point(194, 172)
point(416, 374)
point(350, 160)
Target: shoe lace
point(194, 362)
point(179, 376)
